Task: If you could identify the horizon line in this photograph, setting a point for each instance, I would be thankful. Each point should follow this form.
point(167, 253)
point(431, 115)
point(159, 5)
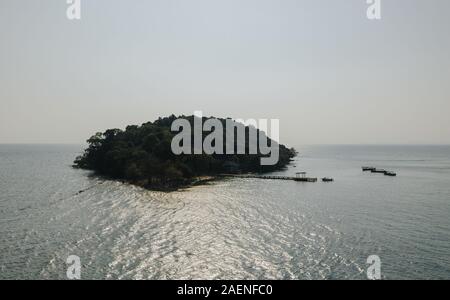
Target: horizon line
point(312, 144)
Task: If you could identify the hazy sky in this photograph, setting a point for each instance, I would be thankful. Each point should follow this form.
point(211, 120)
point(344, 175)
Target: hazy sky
point(328, 73)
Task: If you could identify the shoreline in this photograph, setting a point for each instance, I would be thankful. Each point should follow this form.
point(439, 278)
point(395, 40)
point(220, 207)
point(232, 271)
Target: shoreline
point(172, 186)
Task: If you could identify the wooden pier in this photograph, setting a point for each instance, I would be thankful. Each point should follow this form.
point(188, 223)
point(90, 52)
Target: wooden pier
point(301, 177)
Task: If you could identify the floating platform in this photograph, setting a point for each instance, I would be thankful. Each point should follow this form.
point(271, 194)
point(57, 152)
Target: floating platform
point(379, 171)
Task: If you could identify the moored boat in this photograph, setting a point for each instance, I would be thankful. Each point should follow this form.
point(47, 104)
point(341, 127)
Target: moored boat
point(365, 169)
point(389, 173)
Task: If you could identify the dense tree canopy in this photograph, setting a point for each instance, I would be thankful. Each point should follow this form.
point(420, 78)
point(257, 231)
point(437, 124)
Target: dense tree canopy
point(143, 155)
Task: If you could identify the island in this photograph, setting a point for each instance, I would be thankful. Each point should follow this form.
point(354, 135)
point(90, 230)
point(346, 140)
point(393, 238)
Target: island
point(143, 156)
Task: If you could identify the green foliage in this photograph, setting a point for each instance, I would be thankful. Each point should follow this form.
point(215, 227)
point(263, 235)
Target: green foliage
point(142, 154)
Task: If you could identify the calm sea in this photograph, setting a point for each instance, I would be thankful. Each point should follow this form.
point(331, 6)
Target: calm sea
point(229, 229)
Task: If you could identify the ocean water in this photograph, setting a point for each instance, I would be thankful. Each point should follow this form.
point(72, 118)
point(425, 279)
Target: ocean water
point(233, 228)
